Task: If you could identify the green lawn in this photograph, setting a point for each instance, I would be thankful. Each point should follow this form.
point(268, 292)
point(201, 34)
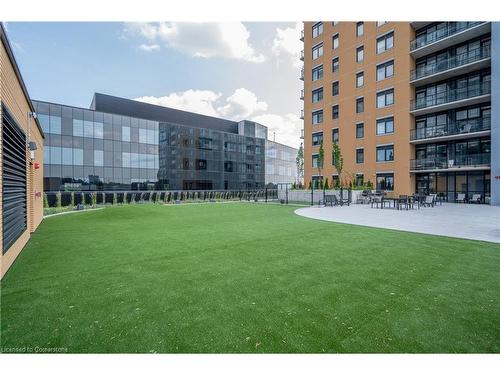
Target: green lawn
point(246, 278)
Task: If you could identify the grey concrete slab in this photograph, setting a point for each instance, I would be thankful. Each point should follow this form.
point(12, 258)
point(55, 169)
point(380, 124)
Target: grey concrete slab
point(469, 221)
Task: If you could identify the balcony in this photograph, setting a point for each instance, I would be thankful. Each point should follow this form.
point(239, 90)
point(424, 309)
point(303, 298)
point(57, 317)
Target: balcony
point(476, 59)
point(451, 98)
point(301, 133)
point(301, 94)
point(302, 55)
point(301, 114)
point(466, 162)
point(448, 36)
point(301, 35)
point(459, 129)
point(302, 74)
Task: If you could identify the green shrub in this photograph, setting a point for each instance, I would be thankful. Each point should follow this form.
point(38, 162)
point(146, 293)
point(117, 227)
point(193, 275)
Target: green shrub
point(45, 201)
point(58, 199)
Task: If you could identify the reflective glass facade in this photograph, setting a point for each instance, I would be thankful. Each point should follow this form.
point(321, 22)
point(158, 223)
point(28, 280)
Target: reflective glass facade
point(92, 150)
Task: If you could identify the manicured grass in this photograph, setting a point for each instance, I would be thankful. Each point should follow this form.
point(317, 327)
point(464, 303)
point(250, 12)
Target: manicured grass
point(246, 278)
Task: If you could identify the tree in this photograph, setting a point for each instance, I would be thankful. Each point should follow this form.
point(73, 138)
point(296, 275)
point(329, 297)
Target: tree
point(320, 160)
point(338, 160)
point(299, 161)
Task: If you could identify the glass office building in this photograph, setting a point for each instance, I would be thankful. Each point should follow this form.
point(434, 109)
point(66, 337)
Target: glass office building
point(158, 149)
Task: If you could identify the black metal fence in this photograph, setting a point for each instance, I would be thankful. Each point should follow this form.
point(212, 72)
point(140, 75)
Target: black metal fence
point(66, 198)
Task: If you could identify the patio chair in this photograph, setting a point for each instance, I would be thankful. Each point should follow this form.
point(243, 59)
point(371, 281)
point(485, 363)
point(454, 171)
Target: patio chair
point(460, 198)
point(403, 201)
point(476, 198)
point(379, 200)
point(428, 202)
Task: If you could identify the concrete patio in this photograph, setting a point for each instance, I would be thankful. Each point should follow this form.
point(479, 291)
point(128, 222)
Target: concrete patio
point(475, 222)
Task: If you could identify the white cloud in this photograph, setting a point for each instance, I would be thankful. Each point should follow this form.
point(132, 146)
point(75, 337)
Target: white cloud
point(149, 47)
point(287, 44)
point(240, 105)
point(205, 40)
point(287, 127)
point(199, 101)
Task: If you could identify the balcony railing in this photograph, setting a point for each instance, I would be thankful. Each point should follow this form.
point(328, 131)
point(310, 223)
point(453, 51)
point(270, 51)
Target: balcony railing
point(302, 74)
point(301, 114)
point(302, 55)
point(301, 94)
point(474, 160)
point(302, 35)
point(452, 95)
point(434, 36)
point(301, 133)
point(455, 128)
point(451, 63)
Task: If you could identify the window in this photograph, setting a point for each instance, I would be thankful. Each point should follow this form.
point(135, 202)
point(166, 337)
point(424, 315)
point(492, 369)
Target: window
point(335, 64)
point(317, 73)
point(385, 181)
point(335, 135)
point(45, 122)
point(385, 153)
point(98, 130)
point(385, 98)
point(360, 179)
point(335, 111)
point(77, 128)
point(317, 29)
point(360, 130)
point(228, 166)
point(315, 161)
point(77, 156)
point(98, 158)
point(55, 125)
point(317, 51)
point(360, 28)
point(335, 41)
point(360, 105)
point(67, 156)
point(143, 135)
point(385, 42)
point(360, 156)
point(335, 23)
point(317, 95)
point(317, 117)
point(381, 23)
point(360, 79)
point(126, 134)
point(317, 138)
point(88, 129)
point(201, 164)
point(360, 54)
point(385, 126)
point(385, 70)
point(335, 88)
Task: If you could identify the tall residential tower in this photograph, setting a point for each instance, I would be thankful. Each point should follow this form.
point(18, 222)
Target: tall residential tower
point(409, 103)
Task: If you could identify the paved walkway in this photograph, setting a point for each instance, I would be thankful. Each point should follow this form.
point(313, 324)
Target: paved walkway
point(476, 222)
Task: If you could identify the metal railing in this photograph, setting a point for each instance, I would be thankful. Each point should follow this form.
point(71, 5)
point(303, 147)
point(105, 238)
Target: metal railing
point(446, 163)
point(454, 128)
point(302, 74)
point(302, 35)
point(450, 96)
point(451, 63)
point(433, 36)
point(302, 55)
point(64, 198)
point(301, 114)
point(301, 94)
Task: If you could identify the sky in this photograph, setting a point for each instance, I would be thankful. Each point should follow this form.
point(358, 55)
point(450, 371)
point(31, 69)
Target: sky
point(230, 70)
